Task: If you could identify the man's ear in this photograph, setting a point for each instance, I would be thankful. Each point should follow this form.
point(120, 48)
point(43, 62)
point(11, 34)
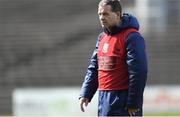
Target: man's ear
point(118, 14)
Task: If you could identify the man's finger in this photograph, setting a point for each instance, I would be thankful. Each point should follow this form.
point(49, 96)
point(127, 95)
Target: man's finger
point(86, 103)
point(81, 105)
point(130, 113)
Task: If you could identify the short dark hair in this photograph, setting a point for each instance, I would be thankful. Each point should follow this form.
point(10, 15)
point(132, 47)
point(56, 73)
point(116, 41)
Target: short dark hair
point(115, 5)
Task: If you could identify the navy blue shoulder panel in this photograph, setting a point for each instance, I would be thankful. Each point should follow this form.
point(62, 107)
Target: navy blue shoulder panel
point(137, 68)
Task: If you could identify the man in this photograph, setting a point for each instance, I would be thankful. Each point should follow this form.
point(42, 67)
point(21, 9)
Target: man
point(118, 66)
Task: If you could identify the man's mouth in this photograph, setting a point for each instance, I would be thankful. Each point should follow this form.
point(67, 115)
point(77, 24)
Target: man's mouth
point(103, 22)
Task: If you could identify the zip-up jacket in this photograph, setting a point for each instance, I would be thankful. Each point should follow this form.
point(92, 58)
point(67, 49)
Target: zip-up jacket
point(135, 60)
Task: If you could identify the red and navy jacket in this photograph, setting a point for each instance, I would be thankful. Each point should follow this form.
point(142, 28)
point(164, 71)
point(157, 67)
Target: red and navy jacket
point(118, 62)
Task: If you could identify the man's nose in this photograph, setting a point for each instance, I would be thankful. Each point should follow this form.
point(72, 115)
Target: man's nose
point(101, 17)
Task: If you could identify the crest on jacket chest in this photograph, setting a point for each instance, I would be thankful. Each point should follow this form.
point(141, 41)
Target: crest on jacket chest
point(105, 48)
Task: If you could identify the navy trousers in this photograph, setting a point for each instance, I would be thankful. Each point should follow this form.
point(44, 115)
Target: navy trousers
point(112, 103)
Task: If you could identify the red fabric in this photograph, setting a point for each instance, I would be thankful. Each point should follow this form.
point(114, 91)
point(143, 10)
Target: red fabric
point(112, 67)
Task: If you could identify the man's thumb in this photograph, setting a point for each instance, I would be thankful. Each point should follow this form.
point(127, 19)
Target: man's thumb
point(86, 103)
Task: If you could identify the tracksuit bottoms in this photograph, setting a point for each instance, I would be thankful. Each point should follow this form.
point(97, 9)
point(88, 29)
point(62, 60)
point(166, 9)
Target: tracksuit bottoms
point(113, 103)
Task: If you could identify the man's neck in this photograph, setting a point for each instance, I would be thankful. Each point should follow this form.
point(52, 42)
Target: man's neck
point(117, 24)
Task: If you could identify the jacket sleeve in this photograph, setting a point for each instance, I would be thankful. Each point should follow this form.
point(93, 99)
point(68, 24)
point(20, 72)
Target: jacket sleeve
point(90, 83)
point(137, 69)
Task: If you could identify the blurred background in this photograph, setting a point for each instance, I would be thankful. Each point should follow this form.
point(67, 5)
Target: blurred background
point(45, 47)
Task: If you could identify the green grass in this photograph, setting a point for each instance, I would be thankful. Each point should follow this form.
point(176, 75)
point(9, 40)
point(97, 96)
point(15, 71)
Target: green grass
point(163, 114)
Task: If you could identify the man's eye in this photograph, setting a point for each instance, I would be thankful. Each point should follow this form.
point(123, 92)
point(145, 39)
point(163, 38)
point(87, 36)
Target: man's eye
point(105, 14)
point(102, 14)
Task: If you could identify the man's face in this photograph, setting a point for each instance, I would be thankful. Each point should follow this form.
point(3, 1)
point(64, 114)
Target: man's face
point(107, 17)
